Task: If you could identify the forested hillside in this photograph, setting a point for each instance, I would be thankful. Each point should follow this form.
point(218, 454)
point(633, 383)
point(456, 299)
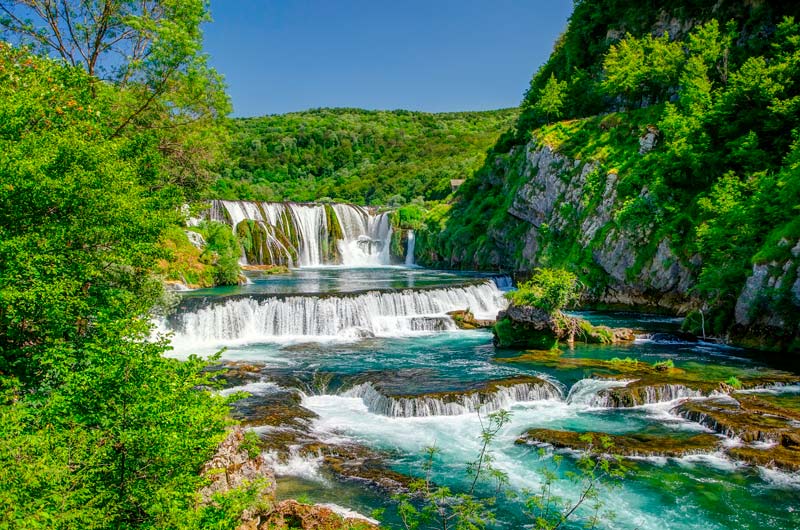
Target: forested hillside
point(358, 156)
point(658, 156)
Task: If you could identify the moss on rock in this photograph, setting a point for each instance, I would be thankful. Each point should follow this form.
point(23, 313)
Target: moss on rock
point(624, 445)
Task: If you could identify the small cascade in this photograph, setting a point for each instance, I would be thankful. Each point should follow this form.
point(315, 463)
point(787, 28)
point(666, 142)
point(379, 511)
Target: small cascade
point(504, 283)
point(374, 313)
point(586, 391)
point(410, 249)
point(306, 235)
point(452, 404)
point(619, 393)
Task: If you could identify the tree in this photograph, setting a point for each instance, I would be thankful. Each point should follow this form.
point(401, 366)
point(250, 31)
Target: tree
point(642, 70)
point(549, 289)
point(551, 98)
point(152, 51)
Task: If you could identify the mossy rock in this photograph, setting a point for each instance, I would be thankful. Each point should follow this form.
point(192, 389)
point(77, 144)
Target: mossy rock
point(528, 327)
point(629, 445)
point(747, 419)
point(466, 320)
point(508, 334)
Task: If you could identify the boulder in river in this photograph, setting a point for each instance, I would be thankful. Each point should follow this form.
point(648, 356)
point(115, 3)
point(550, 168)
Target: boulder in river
point(466, 320)
point(528, 327)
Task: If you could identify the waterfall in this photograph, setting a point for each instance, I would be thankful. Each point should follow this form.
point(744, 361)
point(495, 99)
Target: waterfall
point(586, 391)
point(452, 404)
point(372, 313)
point(307, 235)
point(410, 249)
point(504, 283)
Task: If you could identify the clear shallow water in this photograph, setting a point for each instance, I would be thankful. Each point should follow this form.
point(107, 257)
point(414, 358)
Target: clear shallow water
point(327, 280)
point(707, 492)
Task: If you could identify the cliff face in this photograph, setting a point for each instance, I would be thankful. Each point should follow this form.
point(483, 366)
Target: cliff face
point(769, 301)
point(558, 202)
point(563, 211)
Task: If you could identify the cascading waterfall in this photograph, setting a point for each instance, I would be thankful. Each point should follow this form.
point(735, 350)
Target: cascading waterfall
point(504, 283)
point(373, 313)
point(307, 235)
point(410, 249)
point(451, 404)
point(605, 393)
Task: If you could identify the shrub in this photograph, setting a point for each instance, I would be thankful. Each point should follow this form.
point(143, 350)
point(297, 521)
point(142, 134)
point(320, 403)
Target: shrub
point(663, 366)
point(550, 290)
point(734, 382)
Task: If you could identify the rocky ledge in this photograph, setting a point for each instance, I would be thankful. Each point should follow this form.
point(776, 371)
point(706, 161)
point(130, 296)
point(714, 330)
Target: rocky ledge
point(283, 428)
point(628, 445)
point(769, 432)
point(527, 327)
point(485, 397)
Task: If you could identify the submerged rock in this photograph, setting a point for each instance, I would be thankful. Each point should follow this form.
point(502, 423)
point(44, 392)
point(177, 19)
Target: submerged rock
point(641, 445)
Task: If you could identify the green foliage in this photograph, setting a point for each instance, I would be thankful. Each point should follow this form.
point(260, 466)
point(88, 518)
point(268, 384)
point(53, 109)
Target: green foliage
point(438, 506)
point(551, 98)
point(597, 471)
point(549, 289)
point(663, 366)
point(251, 444)
point(97, 428)
point(625, 361)
point(642, 69)
point(720, 187)
point(183, 262)
point(408, 217)
point(222, 251)
point(733, 382)
point(364, 157)
point(152, 54)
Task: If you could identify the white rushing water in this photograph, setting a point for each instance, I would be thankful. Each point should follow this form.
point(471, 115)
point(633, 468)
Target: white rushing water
point(458, 440)
point(458, 404)
point(586, 391)
point(370, 314)
point(298, 235)
point(410, 249)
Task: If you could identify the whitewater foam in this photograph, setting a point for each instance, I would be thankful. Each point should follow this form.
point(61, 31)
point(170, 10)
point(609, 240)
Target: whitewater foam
point(342, 317)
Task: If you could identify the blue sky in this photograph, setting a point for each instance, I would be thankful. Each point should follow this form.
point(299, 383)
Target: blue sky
point(441, 55)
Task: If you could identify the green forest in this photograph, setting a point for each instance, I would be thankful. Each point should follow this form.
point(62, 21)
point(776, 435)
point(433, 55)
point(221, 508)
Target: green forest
point(357, 156)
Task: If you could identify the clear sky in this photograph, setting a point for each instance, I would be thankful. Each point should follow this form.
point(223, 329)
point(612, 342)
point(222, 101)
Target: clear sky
point(437, 55)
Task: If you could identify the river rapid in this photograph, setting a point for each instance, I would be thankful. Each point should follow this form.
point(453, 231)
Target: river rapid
point(373, 360)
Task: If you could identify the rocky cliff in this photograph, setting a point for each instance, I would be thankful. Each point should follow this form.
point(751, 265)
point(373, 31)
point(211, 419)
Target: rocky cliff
point(563, 211)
